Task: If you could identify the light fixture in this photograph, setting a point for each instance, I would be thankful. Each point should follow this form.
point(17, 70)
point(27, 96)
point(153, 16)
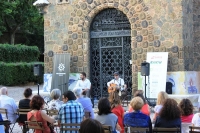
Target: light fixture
point(41, 4)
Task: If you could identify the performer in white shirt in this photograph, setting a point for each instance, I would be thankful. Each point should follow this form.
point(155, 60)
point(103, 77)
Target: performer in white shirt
point(84, 84)
point(121, 86)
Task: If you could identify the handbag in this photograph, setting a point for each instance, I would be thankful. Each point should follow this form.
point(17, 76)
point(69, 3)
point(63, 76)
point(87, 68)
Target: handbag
point(50, 127)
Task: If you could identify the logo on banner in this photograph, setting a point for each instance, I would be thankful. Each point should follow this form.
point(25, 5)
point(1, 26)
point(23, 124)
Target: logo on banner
point(61, 67)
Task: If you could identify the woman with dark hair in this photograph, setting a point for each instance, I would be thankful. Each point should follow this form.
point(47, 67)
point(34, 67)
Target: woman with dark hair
point(145, 108)
point(37, 114)
point(117, 108)
point(169, 116)
point(186, 108)
point(91, 126)
point(105, 116)
point(24, 104)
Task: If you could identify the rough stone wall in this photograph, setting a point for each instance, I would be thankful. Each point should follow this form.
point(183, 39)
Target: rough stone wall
point(194, 59)
point(156, 26)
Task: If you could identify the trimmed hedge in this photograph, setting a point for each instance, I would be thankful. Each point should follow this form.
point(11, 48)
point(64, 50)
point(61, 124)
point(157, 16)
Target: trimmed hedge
point(18, 53)
point(18, 73)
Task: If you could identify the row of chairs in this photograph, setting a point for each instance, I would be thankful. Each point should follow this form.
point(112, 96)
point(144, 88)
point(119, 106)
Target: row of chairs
point(108, 129)
point(25, 111)
point(63, 127)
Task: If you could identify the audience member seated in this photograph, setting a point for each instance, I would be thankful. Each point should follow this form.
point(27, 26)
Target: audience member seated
point(169, 116)
point(55, 103)
point(117, 108)
point(196, 120)
point(85, 101)
point(137, 118)
point(39, 115)
point(105, 116)
point(24, 104)
point(186, 108)
point(1, 126)
point(145, 108)
point(9, 104)
point(162, 96)
point(71, 111)
point(91, 126)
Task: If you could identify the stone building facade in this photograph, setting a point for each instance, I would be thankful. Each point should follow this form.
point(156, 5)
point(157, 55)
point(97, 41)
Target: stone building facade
point(171, 26)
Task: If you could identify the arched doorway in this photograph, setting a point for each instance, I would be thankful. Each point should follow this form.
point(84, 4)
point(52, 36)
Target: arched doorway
point(110, 50)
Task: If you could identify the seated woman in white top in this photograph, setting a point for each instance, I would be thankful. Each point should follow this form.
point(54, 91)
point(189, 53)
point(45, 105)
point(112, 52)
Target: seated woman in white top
point(162, 96)
point(105, 116)
point(55, 103)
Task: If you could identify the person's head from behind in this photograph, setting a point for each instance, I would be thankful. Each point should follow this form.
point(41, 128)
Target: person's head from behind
point(37, 102)
point(139, 93)
point(4, 91)
point(78, 92)
point(67, 96)
point(55, 94)
point(186, 107)
point(27, 93)
point(104, 106)
point(137, 103)
point(170, 110)
point(82, 75)
point(114, 99)
point(91, 126)
point(162, 96)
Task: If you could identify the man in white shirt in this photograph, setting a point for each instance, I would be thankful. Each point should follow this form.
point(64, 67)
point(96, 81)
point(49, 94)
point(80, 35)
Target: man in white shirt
point(121, 86)
point(84, 84)
point(9, 104)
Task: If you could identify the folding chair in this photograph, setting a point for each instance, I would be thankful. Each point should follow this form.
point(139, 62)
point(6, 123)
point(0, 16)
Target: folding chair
point(23, 112)
point(35, 125)
point(194, 129)
point(4, 111)
point(107, 128)
point(136, 129)
point(69, 127)
point(87, 115)
point(167, 130)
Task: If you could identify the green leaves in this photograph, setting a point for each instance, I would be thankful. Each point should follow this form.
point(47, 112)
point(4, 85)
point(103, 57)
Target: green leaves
point(18, 73)
point(18, 53)
point(20, 15)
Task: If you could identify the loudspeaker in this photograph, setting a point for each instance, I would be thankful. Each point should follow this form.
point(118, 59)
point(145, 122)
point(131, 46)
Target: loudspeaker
point(145, 69)
point(169, 87)
point(37, 69)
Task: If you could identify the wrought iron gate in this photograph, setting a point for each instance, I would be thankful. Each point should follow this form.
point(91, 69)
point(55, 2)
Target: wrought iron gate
point(110, 50)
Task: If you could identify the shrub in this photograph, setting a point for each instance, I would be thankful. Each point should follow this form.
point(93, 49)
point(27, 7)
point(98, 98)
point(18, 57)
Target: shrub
point(18, 73)
point(18, 53)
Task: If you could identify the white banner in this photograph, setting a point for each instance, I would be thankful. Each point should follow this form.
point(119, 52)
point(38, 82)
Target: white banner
point(158, 72)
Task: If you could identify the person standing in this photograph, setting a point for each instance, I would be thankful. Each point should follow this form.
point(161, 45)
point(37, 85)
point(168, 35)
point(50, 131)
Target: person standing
point(119, 82)
point(84, 84)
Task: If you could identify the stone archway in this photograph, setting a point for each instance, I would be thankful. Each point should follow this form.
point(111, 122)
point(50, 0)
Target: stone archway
point(142, 38)
point(110, 50)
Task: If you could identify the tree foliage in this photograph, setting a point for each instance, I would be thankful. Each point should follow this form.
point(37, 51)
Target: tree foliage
point(20, 16)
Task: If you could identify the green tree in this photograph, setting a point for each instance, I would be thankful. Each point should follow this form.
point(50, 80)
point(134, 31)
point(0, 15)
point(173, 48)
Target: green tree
point(20, 16)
